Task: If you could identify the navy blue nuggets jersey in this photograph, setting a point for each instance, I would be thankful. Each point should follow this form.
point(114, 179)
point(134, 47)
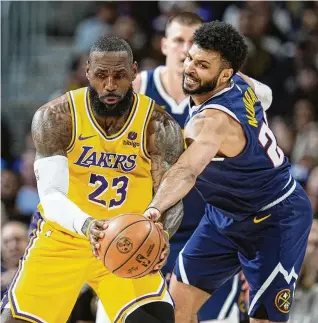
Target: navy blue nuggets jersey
point(257, 217)
point(220, 304)
point(259, 176)
point(194, 205)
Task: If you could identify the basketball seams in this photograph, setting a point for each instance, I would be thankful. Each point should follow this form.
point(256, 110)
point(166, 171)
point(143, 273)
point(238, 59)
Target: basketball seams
point(115, 237)
point(141, 244)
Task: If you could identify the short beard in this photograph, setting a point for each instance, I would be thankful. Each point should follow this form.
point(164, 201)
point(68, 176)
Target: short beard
point(110, 110)
point(202, 89)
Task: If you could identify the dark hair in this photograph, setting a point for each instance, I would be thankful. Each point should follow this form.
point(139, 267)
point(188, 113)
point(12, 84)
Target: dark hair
point(112, 44)
point(224, 39)
point(185, 18)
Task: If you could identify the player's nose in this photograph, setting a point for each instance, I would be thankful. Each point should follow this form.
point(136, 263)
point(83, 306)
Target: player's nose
point(110, 84)
point(186, 47)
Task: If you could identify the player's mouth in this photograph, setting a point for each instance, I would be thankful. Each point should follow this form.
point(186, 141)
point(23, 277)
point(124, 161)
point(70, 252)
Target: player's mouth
point(111, 99)
point(191, 81)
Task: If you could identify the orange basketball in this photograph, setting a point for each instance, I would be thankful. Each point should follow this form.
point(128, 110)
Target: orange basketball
point(131, 246)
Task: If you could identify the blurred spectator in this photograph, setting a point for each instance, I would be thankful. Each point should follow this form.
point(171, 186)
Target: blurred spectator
point(27, 197)
point(4, 216)
point(77, 75)
point(91, 29)
point(312, 191)
point(127, 28)
point(6, 154)
point(306, 139)
point(169, 9)
point(305, 308)
point(14, 240)
point(10, 185)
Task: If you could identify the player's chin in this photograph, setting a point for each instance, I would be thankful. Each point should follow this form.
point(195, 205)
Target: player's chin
point(189, 89)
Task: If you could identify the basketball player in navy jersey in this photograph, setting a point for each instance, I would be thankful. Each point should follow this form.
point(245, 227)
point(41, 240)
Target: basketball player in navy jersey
point(257, 217)
point(164, 85)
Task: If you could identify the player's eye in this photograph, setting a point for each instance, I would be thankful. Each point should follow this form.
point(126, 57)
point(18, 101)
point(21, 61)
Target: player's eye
point(188, 57)
point(100, 76)
point(179, 40)
point(120, 76)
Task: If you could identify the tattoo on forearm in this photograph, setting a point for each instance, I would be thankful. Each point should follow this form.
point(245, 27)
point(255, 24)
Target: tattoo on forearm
point(165, 145)
point(171, 219)
point(52, 128)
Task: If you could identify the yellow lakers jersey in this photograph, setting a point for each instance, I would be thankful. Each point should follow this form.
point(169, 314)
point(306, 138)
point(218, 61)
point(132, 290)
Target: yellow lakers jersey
point(109, 175)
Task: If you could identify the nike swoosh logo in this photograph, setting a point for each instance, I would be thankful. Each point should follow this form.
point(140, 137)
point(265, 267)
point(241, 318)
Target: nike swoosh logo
point(84, 138)
point(256, 220)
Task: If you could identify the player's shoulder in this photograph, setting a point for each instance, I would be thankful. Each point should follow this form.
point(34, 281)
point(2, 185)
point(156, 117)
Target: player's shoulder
point(53, 112)
point(159, 114)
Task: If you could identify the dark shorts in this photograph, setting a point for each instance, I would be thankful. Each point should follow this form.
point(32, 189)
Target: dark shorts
point(220, 304)
point(269, 247)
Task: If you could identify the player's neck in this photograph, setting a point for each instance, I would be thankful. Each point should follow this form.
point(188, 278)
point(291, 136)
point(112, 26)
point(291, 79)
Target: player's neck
point(172, 84)
point(111, 125)
point(201, 98)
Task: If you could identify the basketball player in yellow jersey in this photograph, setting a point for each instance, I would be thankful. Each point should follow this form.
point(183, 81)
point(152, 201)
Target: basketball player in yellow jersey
point(101, 151)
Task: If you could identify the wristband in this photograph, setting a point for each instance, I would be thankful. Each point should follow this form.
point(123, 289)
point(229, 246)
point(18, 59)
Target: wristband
point(167, 234)
point(89, 227)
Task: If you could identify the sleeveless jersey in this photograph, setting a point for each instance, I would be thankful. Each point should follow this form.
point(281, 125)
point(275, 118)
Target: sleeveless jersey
point(109, 175)
point(194, 205)
point(259, 177)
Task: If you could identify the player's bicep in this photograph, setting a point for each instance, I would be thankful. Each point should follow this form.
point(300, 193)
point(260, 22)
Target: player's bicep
point(212, 129)
point(52, 129)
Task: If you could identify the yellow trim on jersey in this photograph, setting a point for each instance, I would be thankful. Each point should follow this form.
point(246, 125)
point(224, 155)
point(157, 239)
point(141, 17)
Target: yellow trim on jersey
point(125, 126)
point(16, 315)
point(73, 114)
point(144, 142)
point(142, 300)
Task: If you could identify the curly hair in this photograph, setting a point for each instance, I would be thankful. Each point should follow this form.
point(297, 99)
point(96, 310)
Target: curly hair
point(224, 39)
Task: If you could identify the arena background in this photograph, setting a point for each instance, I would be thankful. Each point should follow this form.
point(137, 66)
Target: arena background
point(44, 46)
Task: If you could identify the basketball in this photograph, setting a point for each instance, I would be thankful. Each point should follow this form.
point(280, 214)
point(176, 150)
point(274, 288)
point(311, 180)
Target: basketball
point(131, 246)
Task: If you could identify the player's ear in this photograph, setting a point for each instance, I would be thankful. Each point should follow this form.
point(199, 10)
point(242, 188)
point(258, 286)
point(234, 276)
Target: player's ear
point(87, 69)
point(164, 46)
point(135, 70)
point(226, 74)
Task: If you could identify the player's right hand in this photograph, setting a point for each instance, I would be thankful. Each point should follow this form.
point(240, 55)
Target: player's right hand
point(95, 232)
point(152, 214)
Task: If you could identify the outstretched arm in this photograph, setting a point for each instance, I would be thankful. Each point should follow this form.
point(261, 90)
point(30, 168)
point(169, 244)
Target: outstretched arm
point(165, 145)
point(211, 127)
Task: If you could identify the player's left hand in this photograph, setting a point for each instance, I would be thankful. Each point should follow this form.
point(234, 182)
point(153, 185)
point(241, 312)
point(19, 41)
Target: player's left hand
point(165, 251)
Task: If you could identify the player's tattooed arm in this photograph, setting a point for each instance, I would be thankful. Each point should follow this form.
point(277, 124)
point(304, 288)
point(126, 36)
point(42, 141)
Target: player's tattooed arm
point(52, 134)
point(52, 128)
point(165, 144)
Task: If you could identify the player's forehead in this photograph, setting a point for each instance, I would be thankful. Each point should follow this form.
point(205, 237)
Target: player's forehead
point(177, 29)
point(109, 60)
point(198, 53)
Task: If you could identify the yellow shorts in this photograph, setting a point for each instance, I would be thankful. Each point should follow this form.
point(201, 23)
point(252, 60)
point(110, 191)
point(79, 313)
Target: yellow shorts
point(55, 267)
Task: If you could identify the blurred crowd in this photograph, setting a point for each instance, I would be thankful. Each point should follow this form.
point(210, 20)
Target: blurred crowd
point(283, 53)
